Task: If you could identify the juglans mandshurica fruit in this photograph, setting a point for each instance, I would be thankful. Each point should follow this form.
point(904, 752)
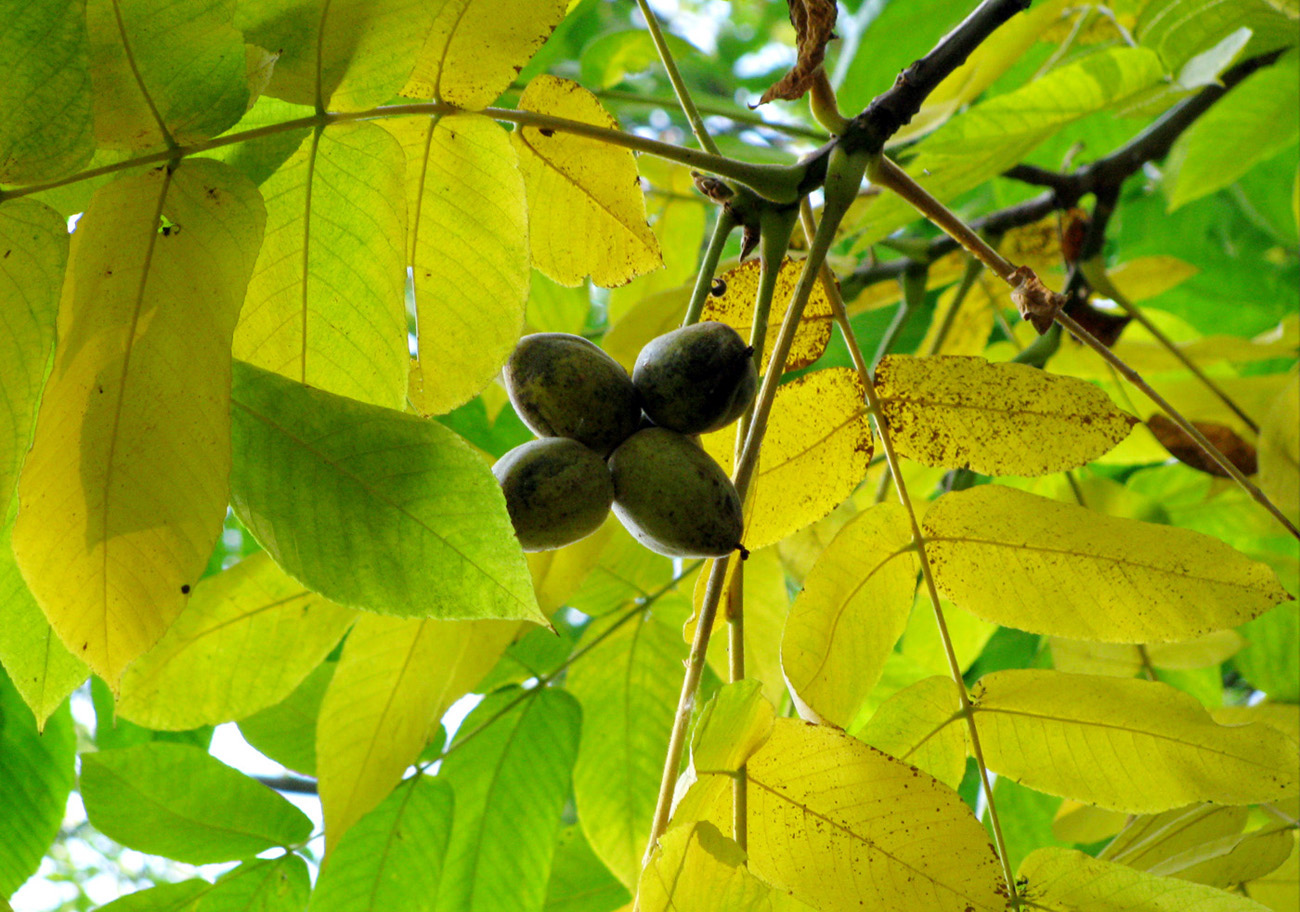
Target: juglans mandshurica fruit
point(557, 491)
point(696, 379)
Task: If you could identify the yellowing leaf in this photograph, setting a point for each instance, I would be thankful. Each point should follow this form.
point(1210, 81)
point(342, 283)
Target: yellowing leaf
point(999, 419)
point(943, 271)
point(558, 573)
point(247, 638)
point(1065, 880)
point(841, 825)
point(1046, 567)
point(470, 274)
point(732, 725)
point(152, 62)
point(476, 47)
point(394, 681)
point(766, 606)
point(734, 305)
point(326, 305)
point(1279, 890)
point(652, 316)
point(920, 725)
point(852, 610)
point(1279, 451)
point(697, 869)
point(816, 451)
point(964, 330)
point(124, 491)
point(1150, 838)
point(1146, 277)
point(1125, 660)
point(1129, 745)
point(586, 210)
point(345, 55)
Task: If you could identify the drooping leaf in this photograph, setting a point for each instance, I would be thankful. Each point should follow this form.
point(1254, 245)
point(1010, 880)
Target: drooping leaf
point(579, 881)
point(177, 801)
point(470, 274)
point(326, 304)
point(734, 305)
point(816, 451)
point(998, 419)
point(1149, 839)
point(247, 638)
point(1039, 726)
point(157, 66)
point(853, 608)
point(406, 518)
point(628, 688)
point(919, 725)
point(286, 732)
point(1048, 567)
point(476, 47)
point(586, 210)
point(394, 681)
point(814, 25)
point(344, 55)
point(697, 869)
point(124, 490)
point(38, 769)
point(391, 860)
point(1063, 880)
point(46, 97)
point(511, 782)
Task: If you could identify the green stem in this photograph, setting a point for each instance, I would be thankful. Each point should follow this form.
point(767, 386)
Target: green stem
point(716, 111)
point(679, 87)
point(722, 229)
point(775, 226)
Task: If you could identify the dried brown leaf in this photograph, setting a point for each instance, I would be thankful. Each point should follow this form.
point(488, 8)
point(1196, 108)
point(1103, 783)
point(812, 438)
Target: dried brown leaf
point(814, 25)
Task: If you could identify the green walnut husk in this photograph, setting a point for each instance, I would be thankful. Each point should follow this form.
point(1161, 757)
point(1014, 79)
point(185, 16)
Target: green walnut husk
point(557, 491)
point(673, 497)
point(564, 386)
point(696, 379)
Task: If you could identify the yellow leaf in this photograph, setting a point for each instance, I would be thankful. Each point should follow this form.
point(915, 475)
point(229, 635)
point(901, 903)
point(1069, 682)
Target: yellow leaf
point(1279, 451)
point(124, 490)
point(966, 330)
point(247, 638)
point(734, 305)
point(1083, 823)
point(650, 317)
point(1129, 745)
point(326, 305)
point(586, 209)
point(1125, 660)
point(920, 725)
point(697, 869)
point(852, 610)
point(476, 47)
point(841, 825)
point(943, 271)
point(923, 646)
point(1279, 890)
point(624, 572)
point(1150, 276)
point(557, 574)
point(732, 725)
point(395, 679)
point(1065, 880)
point(470, 274)
point(1046, 567)
point(815, 452)
point(765, 609)
point(998, 419)
point(1150, 838)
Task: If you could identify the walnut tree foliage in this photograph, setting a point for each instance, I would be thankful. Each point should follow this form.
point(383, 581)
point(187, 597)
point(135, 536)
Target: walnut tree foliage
point(1015, 626)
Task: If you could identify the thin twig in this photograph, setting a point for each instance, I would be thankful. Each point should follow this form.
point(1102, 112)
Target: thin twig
point(675, 78)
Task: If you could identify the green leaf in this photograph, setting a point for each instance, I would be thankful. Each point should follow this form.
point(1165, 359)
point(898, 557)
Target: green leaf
point(920, 725)
point(325, 305)
point(1085, 736)
point(177, 801)
point(46, 97)
point(1179, 30)
point(960, 412)
point(37, 767)
point(1064, 880)
point(163, 72)
point(1047, 567)
point(391, 859)
point(1254, 122)
point(247, 638)
point(579, 881)
point(470, 275)
point(1269, 661)
point(274, 885)
point(627, 686)
point(286, 732)
point(345, 55)
point(852, 610)
point(511, 782)
point(405, 518)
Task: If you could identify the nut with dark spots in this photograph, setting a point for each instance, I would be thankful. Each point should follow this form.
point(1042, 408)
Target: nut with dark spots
point(557, 492)
point(696, 379)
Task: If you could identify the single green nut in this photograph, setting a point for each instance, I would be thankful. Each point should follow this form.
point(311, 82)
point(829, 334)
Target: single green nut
point(557, 491)
point(672, 496)
point(696, 379)
point(564, 386)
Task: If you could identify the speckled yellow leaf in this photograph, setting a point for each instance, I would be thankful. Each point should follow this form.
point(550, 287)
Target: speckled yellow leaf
point(470, 274)
point(585, 205)
point(1130, 745)
point(816, 451)
point(697, 869)
point(998, 419)
point(1066, 880)
point(476, 47)
point(247, 638)
point(852, 610)
point(920, 725)
point(124, 491)
point(734, 305)
point(395, 679)
point(1048, 567)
